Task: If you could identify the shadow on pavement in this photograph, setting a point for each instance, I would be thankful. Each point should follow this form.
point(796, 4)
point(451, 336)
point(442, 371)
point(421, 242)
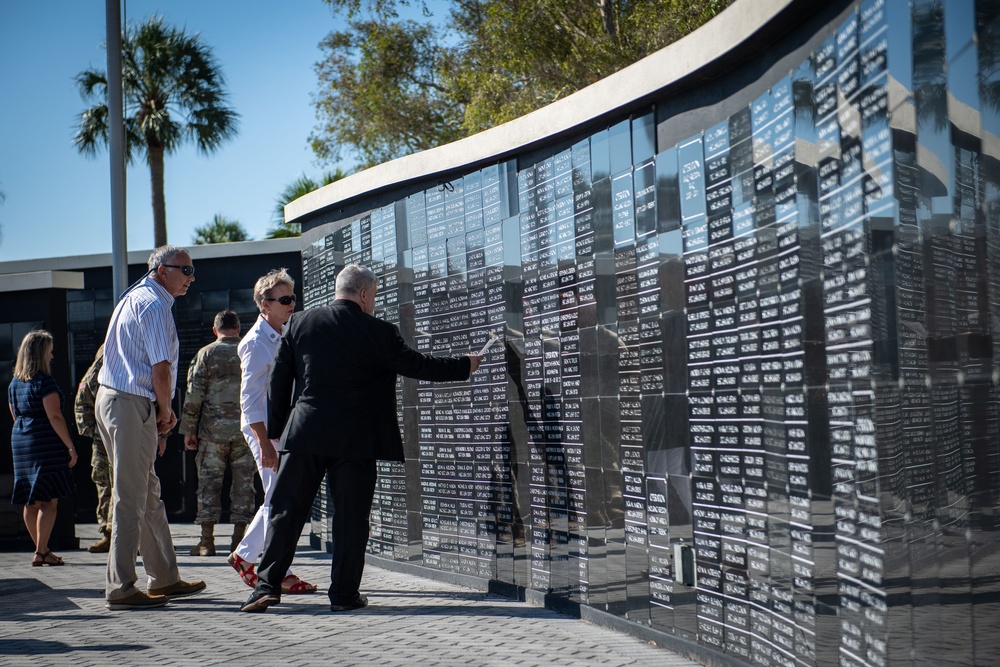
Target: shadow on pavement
point(43, 647)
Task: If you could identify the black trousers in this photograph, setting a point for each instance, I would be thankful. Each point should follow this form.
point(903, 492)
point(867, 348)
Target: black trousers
point(351, 484)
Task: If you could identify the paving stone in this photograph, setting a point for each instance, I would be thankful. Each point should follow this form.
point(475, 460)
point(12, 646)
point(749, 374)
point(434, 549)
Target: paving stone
point(56, 616)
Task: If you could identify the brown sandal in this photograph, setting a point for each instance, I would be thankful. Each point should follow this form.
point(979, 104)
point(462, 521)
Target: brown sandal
point(47, 558)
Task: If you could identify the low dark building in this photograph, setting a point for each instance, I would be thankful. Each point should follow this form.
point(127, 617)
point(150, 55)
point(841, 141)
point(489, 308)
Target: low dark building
point(72, 297)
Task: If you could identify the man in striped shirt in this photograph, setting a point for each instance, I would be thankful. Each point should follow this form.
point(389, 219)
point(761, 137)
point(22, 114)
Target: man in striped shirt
point(134, 415)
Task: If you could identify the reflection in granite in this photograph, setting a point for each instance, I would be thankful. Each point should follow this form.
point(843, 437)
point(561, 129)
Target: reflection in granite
point(746, 392)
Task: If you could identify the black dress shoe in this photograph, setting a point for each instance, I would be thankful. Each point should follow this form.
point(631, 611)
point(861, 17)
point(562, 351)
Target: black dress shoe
point(356, 603)
point(259, 601)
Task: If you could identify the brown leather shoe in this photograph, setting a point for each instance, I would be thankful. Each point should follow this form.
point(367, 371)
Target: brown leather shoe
point(181, 589)
point(137, 600)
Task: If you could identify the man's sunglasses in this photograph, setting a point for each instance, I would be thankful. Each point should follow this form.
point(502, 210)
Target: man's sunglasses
point(186, 269)
point(283, 300)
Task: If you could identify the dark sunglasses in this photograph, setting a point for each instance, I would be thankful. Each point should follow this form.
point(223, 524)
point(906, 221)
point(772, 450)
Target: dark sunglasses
point(283, 300)
point(186, 269)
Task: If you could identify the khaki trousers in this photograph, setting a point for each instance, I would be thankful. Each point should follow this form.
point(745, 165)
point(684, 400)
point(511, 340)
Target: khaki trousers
point(127, 424)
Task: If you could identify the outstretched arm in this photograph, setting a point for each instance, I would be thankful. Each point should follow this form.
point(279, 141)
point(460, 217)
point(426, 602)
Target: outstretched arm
point(404, 360)
point(474, 361)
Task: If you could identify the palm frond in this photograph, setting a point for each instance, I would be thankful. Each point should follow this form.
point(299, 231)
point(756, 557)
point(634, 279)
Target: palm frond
point(92, 83)
point(174, 91)
point(93, 130)
point(220, 230)
point(282, 231)
point(332, 176)
point(300, 187)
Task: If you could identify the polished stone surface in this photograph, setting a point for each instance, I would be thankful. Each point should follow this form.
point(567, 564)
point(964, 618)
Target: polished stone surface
point(747, 391)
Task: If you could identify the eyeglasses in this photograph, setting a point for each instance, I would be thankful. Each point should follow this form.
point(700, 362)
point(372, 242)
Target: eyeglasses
point(283, 300)
point(186, 269)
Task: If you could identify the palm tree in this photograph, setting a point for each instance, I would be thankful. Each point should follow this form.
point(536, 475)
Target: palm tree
point(220, 230)
point(173, 91)
point(300, 187)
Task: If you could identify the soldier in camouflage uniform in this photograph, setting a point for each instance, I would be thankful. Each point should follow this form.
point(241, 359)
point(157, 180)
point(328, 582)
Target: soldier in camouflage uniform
point(100, 469)
point(211, 425)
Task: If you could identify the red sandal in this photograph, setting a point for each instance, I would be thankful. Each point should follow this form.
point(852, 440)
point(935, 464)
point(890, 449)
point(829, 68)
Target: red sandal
point(292, 585)
point(244, 569)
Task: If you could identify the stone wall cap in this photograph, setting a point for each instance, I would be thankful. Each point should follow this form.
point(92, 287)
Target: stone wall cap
point(140, 257)
point(32, 280)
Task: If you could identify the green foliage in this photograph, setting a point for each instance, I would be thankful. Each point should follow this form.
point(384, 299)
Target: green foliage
point(390, 87)
point(220, 230)
point(300, 187)
point(284, 231)
point(383, 94)
point(174, 92)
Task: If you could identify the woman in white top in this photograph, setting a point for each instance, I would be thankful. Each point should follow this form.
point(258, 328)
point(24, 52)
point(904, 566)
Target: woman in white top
point(275, 298)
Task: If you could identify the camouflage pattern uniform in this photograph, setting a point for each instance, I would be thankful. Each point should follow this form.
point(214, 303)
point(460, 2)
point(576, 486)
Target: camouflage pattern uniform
point(212, 413)
point(86, 425)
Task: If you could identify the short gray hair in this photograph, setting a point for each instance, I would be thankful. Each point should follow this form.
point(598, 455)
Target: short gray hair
point(353, 278)
point(266, 283)
point(164, 255)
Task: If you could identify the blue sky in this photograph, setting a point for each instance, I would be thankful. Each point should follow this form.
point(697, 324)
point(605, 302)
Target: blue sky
point(58, 201)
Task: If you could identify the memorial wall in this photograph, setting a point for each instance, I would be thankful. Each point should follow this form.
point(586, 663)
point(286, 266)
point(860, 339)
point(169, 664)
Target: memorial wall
point(744, 391)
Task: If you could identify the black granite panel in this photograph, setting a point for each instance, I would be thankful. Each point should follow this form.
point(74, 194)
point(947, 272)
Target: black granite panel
point(746, 390)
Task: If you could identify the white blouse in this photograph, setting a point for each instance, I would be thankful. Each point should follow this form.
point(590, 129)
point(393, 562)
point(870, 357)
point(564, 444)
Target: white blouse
point(257, 351)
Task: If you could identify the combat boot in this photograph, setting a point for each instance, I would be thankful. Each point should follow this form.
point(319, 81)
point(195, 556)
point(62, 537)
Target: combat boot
point(207, 545)
point(239, 530)
point(103, 545)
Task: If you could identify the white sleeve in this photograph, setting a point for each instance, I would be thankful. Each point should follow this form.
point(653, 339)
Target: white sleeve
point(254, 367)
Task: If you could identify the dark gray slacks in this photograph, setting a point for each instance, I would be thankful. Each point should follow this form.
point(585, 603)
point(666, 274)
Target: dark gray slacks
point(351, 484)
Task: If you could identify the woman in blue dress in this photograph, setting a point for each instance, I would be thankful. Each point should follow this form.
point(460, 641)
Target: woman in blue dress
point(43, 450)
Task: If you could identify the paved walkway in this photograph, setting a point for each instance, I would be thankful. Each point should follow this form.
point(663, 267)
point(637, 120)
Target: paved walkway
point(56, 616)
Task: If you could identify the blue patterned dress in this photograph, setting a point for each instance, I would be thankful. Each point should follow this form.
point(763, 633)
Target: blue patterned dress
point(41, 461)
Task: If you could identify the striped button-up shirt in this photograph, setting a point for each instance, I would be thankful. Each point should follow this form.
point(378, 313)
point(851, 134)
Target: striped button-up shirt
point(142, 333)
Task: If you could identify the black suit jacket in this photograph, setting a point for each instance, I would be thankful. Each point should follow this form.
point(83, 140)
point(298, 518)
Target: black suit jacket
point(343, 364)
